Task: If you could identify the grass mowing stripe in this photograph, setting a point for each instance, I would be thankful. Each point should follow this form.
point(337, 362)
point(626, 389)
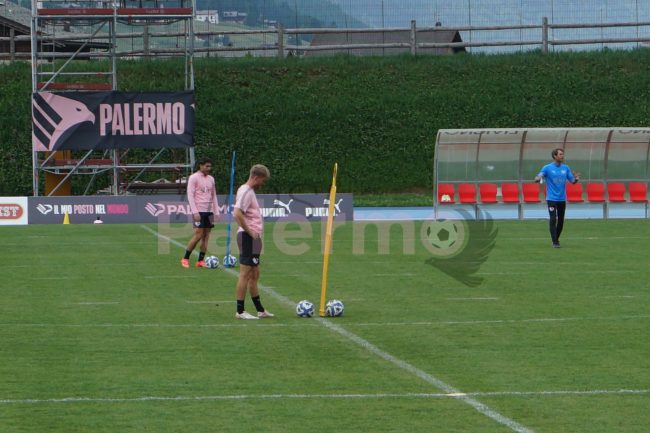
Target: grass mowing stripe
point(288, 325)
point(508, 321)
point(477, 405)
point(324, 396)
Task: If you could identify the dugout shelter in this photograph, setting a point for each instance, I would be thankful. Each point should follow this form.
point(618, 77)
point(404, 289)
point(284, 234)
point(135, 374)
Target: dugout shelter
point(492, 170)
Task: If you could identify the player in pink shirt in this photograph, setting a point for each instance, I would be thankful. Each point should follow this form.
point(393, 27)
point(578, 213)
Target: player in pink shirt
point(248, 215)
point(202, 196)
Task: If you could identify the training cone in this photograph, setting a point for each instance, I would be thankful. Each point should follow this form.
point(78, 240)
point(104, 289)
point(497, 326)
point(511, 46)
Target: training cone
point(66, 218)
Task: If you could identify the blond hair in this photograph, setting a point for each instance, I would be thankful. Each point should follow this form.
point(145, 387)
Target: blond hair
point(260, 170)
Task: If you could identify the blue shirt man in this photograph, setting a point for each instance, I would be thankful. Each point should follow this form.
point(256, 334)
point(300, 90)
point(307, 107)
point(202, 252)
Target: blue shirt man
point(557, 174)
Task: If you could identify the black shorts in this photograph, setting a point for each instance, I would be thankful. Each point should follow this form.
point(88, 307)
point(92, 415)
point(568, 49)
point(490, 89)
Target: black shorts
point(205, 222)
point(249, 249)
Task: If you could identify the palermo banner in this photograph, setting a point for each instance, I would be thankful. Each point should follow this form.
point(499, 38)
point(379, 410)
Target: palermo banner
point(112, 120)
point(164, 209)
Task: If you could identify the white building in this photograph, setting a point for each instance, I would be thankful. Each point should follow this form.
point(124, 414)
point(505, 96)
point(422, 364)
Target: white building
point(208, 16)
point(235, 16)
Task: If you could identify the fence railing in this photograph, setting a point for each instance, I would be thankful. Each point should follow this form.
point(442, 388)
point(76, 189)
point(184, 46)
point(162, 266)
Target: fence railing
point(281, 36)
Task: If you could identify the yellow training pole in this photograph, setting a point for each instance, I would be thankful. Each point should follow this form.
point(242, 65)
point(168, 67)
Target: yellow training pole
point(328, 243)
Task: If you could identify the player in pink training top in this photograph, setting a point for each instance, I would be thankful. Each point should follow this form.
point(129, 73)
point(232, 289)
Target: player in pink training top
point(202, 195)
point(249, 239)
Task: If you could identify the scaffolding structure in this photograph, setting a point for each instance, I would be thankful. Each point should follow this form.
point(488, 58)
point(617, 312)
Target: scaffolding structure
point(91, 27)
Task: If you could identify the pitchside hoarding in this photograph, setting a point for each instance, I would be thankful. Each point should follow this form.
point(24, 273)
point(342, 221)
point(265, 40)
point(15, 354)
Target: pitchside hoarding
point(13, 211)
point(112, 120)
point(175, 208)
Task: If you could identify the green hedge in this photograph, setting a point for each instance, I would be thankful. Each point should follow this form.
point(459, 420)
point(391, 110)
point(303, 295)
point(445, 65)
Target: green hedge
point(377, 117)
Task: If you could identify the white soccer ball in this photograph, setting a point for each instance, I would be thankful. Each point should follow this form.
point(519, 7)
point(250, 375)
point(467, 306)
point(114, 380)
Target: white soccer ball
point(229, 261)
point(212, 262)
point(334, 308)
point(305, 308)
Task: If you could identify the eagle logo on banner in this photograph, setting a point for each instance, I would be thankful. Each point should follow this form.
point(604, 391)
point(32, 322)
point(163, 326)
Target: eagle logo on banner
point(53, 116)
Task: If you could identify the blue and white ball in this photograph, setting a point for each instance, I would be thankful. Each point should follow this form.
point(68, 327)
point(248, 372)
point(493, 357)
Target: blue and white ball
point(229, 261)
point(305, 308)
point(212, 262)
point(334, 308)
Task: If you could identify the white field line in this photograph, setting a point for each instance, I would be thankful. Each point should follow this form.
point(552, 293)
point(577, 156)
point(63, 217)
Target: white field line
point(152, 277)
point(324, 396)
point(540, 263)
point(518, 238)
point(471, 299)
point(545, 270)
point(58, 264)
point(210, 302)
point(293, 262)
point(238, 324)
point(97, 303)
point(68, 277)
point(432, 380)
point(306, 322)
point(394, 274)
point(76, 244)
point(585, 238)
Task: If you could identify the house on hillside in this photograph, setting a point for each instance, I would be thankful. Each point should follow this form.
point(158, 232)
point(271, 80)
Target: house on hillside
point(208, 16)
point(402, 36)
point(16, 20)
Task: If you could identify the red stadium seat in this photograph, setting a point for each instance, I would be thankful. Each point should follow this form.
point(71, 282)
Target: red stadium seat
point(616, 191)
point(446, 193)
point(574, 192)
point(467, 193)
point(488, 192)
point(531, 193)
point(596, 192)
point(638, 192)
point(510, 192)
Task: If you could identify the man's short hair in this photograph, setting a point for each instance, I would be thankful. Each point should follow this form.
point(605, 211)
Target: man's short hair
point(204, 160)
point(556, 151)
point(260, 170)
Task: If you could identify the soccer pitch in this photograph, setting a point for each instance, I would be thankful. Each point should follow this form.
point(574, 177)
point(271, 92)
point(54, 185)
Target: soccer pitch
point(101, 330)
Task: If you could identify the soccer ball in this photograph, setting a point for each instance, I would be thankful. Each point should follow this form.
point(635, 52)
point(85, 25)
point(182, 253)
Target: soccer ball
point(305, 308)
point(229, 261)
point(212, 262)
point(443, 234)
point(334, 308)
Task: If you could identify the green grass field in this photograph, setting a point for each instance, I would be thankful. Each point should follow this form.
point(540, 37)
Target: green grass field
point(101, 330)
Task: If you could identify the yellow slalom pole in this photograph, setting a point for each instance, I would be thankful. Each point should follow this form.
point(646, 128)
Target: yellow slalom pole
point(328, 243)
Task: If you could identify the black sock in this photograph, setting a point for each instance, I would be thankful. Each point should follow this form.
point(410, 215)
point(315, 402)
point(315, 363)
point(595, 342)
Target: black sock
point(201, 255)
point(187, 254)
point(258, 303)
point(240, 306)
